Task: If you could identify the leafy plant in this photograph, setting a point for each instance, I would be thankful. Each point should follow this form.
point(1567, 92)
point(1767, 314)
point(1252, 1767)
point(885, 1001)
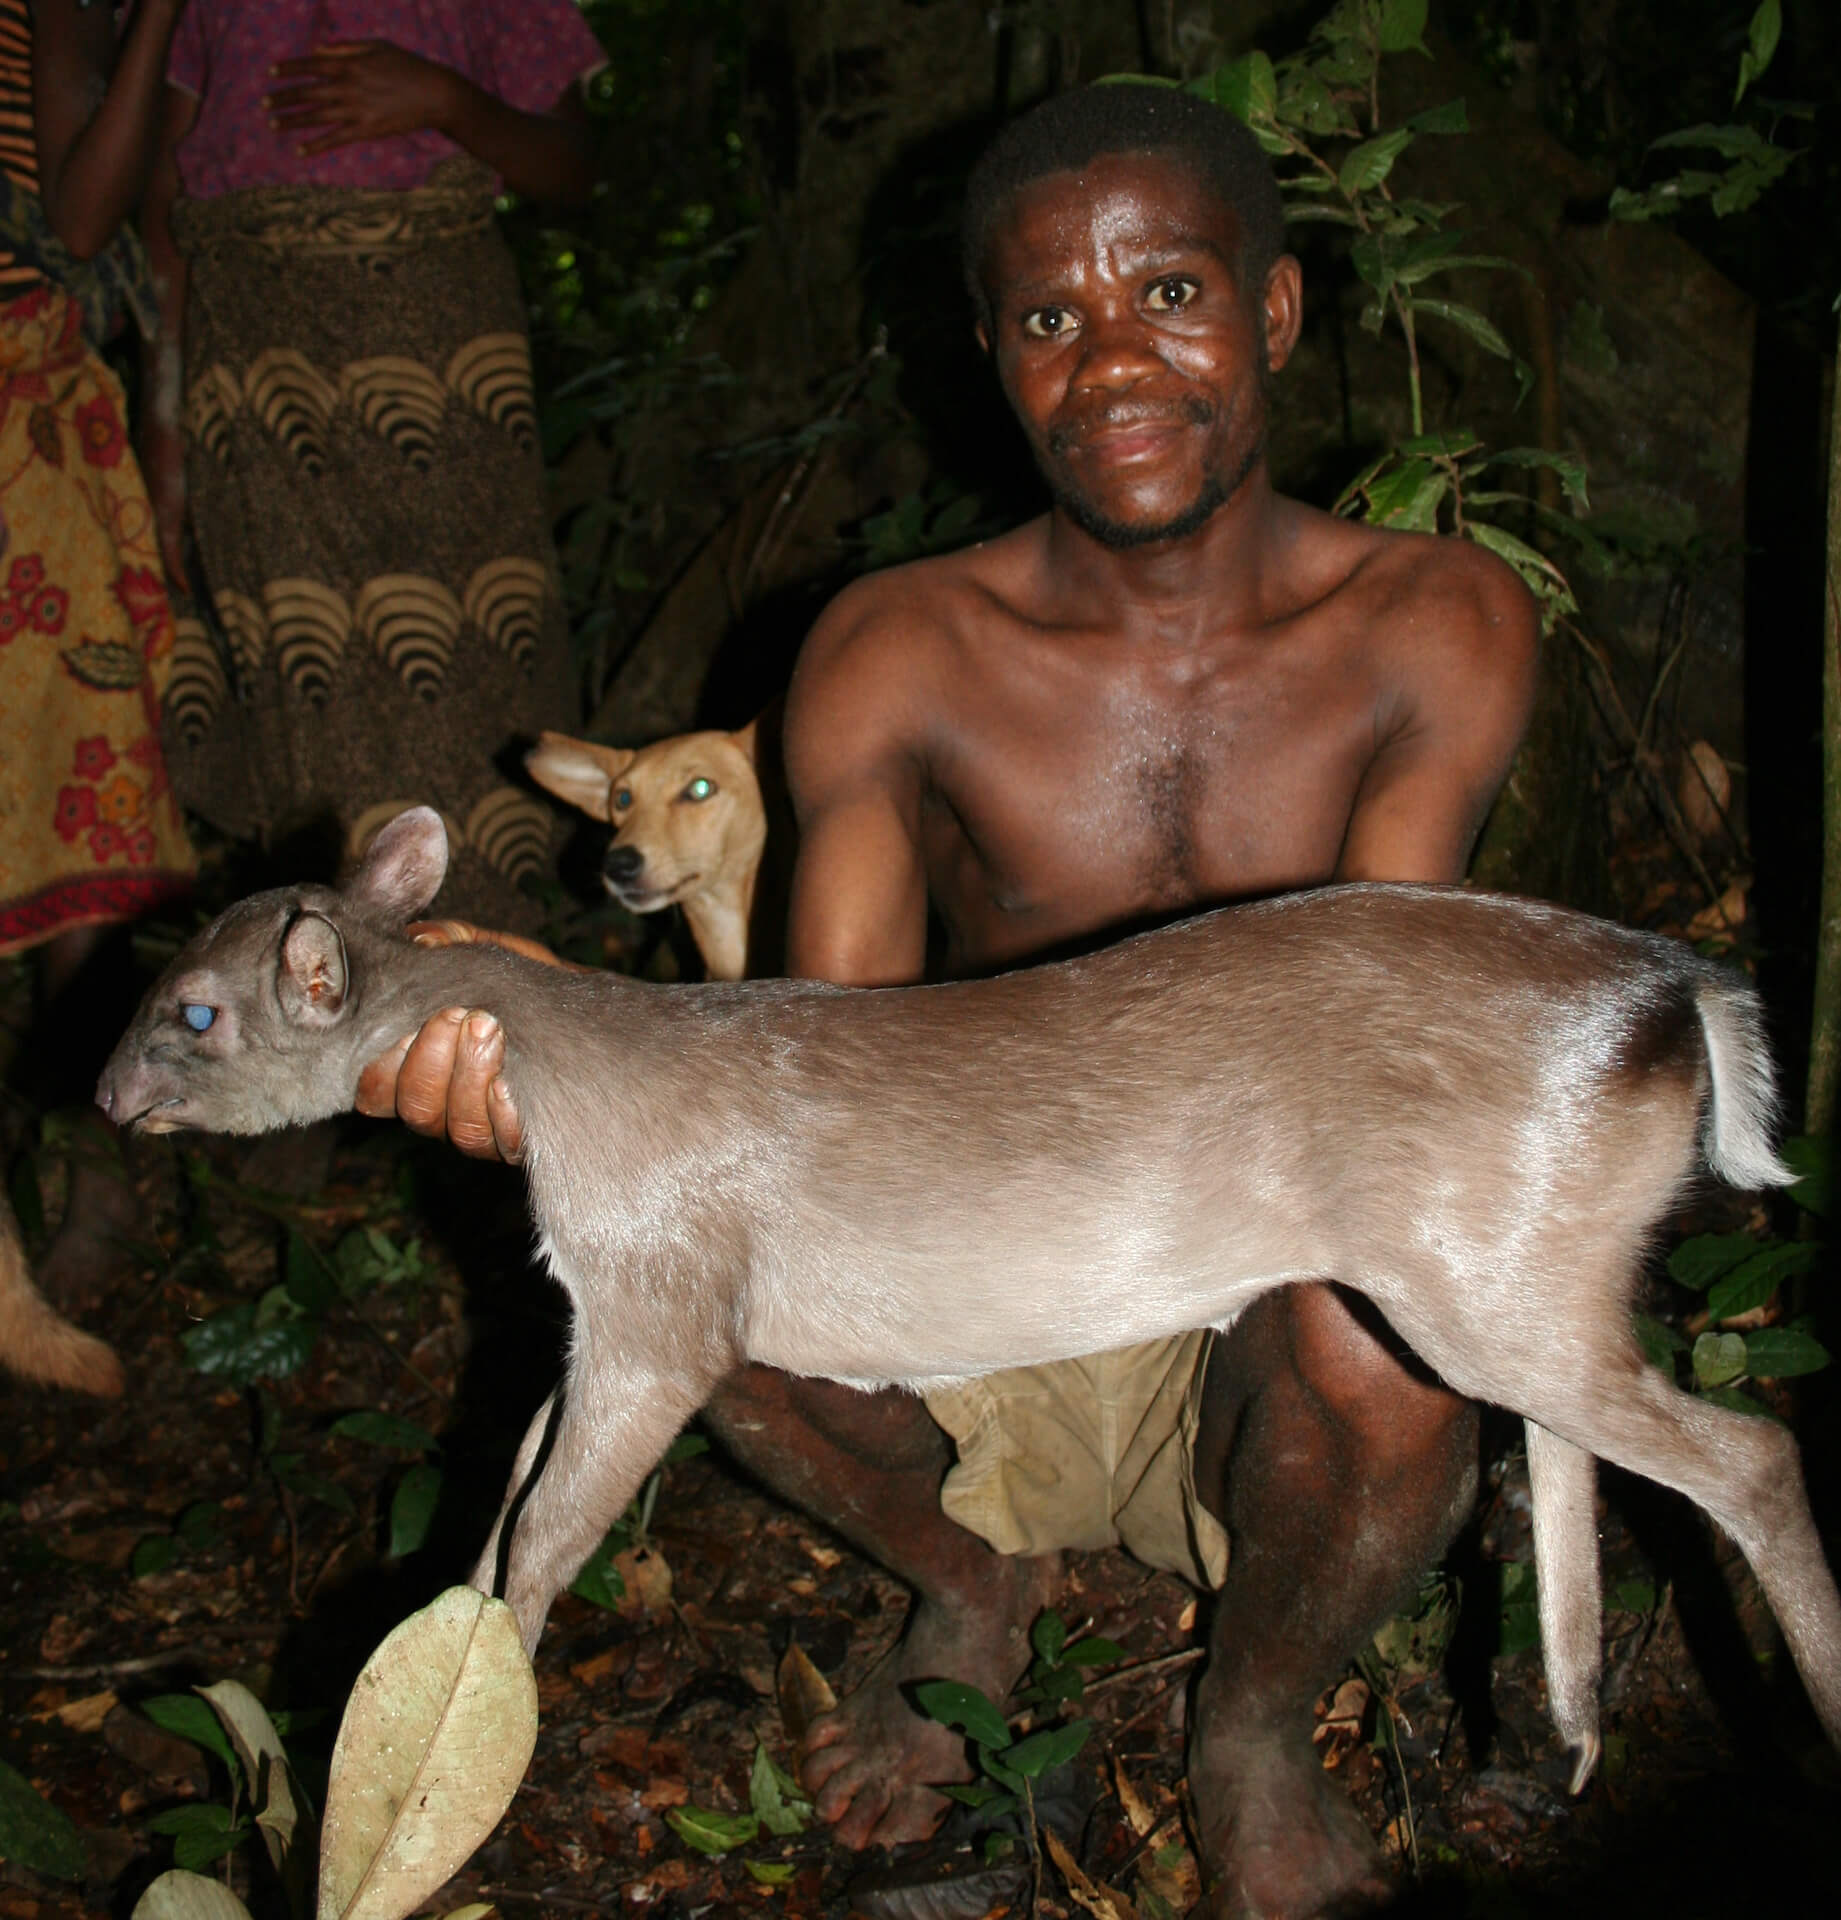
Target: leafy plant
point(1318, 114)
point(777, 1805)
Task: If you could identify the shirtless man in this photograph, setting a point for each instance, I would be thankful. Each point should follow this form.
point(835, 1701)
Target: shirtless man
point(1175, 688)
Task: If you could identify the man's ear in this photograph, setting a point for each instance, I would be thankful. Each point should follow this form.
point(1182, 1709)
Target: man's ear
point(578, 771)
point(313, 975)
point(1283, 309)
point(403, 867)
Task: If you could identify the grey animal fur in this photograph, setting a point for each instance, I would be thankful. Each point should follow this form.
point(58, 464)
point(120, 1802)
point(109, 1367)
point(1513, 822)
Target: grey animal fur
point(1474, 1110)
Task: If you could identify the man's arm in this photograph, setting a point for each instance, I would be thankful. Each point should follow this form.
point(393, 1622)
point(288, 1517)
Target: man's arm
point(162, 433)
point(1463, 667)
point(859, 905)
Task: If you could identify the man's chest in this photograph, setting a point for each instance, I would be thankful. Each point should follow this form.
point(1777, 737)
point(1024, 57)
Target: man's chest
point(1056, 809)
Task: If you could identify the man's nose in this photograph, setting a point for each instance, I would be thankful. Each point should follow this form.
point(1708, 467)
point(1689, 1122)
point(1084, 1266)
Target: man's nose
point(1116, 350)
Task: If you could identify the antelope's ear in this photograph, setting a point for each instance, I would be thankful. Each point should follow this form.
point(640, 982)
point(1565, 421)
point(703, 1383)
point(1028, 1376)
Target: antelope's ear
point(578, 771)
point(404, 865)
point(313, 975)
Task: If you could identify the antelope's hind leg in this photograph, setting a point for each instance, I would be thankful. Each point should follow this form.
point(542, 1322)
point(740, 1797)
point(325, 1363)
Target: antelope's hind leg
point(1744, 1471)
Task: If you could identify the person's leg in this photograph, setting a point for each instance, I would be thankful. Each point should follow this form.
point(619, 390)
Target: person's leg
point(869, 1465)
point(1340, 1473)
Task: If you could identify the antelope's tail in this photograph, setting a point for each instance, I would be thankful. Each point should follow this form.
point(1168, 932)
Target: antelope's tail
point(1742, 1115)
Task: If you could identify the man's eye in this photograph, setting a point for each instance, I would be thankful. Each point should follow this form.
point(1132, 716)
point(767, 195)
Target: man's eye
point(700, 788)
point(623, 799)
point(1046, 323)
point(1167, 295)
point(196, 1016)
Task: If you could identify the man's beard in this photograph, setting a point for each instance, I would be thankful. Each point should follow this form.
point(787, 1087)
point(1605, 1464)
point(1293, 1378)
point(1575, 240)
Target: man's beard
point(1119, 535)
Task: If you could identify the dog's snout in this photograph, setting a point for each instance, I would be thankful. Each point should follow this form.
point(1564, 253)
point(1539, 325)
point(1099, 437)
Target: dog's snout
point(623, 863)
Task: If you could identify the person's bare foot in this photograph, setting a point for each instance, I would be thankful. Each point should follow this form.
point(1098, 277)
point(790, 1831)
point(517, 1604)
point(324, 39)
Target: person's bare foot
point(92, 1253)
point(1279, 1839)
point(872, 1765)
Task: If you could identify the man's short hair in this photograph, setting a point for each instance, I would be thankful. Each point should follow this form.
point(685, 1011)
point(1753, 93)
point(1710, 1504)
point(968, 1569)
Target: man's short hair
point(1066, 132)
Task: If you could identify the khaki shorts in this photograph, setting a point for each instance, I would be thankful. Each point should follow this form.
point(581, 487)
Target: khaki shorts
point(1087, 1453)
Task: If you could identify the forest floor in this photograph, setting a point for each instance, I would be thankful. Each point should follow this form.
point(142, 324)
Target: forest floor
point(230, 1518)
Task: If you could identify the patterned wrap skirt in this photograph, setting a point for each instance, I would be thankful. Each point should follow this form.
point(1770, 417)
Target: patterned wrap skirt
point(384, 625)
point(89, 830)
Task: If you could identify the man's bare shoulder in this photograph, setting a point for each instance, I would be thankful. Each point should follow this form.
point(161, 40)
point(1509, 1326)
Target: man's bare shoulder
point(885, 661)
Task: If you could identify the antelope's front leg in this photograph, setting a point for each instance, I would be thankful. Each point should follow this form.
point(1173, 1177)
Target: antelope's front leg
point(611, 1429)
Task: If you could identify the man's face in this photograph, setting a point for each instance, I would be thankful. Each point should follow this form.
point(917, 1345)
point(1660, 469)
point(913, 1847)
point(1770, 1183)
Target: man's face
point(1135, 362)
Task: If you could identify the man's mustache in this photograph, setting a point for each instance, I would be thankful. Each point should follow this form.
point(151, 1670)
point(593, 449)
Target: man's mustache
point(1190, 411)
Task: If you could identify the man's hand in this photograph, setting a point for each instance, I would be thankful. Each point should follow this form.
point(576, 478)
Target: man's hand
point(444, 1081)
point(346, 91)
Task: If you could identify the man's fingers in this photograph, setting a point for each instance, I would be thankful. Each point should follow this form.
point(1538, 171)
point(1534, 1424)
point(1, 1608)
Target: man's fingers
point(377, 1083)
point(479, 1056)
point(507, 1128)
point(428, 1066)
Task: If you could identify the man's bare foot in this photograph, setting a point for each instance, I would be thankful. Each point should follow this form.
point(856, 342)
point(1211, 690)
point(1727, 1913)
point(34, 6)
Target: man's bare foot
point(872, 1765)
point(1280, 1840)
point(92, 1254)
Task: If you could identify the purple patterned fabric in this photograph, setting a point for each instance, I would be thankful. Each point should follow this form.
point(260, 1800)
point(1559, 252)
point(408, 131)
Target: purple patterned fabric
point(524, 51)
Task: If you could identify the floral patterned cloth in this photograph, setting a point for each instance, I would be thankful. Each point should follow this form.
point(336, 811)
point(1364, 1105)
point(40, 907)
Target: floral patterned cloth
point(89, 830)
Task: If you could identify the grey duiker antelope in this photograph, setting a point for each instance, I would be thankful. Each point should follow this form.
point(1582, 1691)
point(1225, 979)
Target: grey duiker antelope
point(1473, 1110)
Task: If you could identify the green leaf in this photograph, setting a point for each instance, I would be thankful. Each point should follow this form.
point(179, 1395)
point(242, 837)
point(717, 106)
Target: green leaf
point(1408, 499)
point(1451, 445)
point(35, 1833)
point(1810, 1157)
point(771, 1873)
point(1518, 1608)
point(1093, 1651)
point(1569, 469)
point(1634, 1596)
point(1035, 1753)
point(1766, 26)
point(1698, 1262)
point(1402, 26)
point(153, 1555)
point(1659, 1341)
point(288, 1471)
point(436, 1737)
point(311, 1283)
point(1450, 118)
point(1366, 166)
point(200, 1833)
point(775, 1796)
point(385, 1430)
point(232, 1346)
point(710, 1831)
point(1533, 566)
point(1048, 1636)
point(600, 1582)
point(1719, 1359)
point(200, 1524)
point(955, 1704)
point(1754, 1281)
point(1247, 88)
point(1467, 320)
point(189, 1717)
point(412, 1509)
point(1780, 1353)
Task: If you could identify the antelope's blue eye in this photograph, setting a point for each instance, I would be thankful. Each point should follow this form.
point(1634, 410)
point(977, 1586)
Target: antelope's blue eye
point(196, 1016)
point(700, 788)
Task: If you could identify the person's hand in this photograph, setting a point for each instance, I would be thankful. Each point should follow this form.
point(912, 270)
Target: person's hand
point(346, 91)
point(444, 1081)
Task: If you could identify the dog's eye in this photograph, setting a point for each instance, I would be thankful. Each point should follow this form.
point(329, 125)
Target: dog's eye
point(197, 1016)
point(623, 798)
point(700, 788)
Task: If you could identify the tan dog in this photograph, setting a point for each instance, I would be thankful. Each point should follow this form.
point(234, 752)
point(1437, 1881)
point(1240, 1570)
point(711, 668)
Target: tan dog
point(690, 821)
point(36, 1341)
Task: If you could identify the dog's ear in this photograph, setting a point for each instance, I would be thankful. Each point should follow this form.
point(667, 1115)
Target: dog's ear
point(744, 742)
point(404, 865)
point(578, 771)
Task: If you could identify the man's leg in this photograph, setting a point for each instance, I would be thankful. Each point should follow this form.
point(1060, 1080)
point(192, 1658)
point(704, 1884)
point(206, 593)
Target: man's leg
point(1339, 1475)
point(869, 1465)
